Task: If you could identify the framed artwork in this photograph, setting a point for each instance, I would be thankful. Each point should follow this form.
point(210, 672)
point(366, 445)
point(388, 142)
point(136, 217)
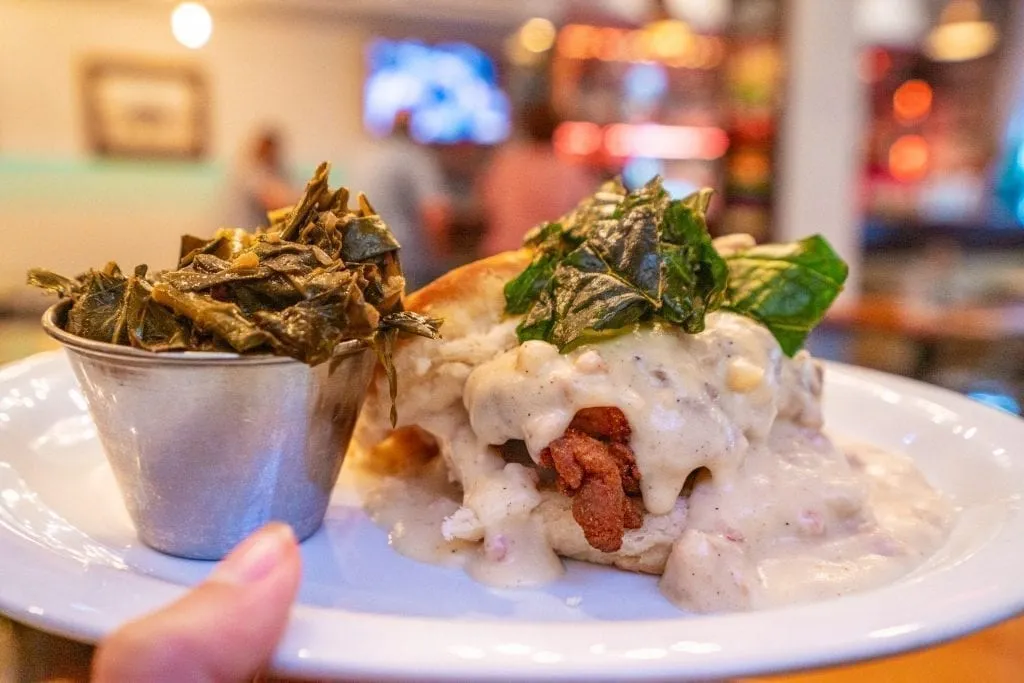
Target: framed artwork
point(136, 108)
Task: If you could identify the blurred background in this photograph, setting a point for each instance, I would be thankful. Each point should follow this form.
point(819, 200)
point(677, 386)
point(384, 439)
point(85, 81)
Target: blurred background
point(894, 128)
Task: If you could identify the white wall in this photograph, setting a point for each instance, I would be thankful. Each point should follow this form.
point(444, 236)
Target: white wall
point(820, 159)
point(64, 209)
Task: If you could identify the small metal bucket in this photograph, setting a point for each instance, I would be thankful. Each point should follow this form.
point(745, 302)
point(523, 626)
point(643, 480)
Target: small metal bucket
point(208, 447)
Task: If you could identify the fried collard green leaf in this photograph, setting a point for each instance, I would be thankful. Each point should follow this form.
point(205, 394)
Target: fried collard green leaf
point(539, 319)
point(637, 261)
point(553, 241)
point(625, 258)
point(592, 300)
point(522, 291)
point(602, 204)
point(695, 275)
point(786, 287)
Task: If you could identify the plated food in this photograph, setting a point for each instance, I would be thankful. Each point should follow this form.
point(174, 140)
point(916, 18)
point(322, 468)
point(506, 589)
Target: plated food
point(72, 563)
point(625, 391)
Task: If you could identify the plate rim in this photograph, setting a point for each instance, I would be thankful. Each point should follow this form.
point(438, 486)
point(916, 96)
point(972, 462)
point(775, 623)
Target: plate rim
point(306, 651)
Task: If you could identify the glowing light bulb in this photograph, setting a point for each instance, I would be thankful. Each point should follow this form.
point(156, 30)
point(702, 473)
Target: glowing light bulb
point(191, 25)
point(537, 35)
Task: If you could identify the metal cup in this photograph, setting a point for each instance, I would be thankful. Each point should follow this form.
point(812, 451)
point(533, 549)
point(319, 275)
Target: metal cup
point(208, 447)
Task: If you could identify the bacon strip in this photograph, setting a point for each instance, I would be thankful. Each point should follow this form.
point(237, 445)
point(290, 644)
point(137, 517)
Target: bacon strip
point(596, 468)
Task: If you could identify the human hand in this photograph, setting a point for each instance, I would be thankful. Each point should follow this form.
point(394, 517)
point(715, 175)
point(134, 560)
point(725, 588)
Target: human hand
point(222, 631)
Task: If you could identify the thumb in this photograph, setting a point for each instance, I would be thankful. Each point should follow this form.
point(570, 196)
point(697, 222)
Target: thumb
point(223, 631)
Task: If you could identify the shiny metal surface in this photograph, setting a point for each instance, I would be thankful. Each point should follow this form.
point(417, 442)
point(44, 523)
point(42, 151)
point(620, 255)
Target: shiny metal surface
point(207, 447)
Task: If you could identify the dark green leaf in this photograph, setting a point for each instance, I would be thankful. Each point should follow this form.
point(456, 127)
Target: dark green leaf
point(601, 205)
point(640, 257)
point(546, 234)
point(527, 286)
point(590, 299)
point(151, 326)
point(786, 287)
point(629, 247)
point(98, 309)
point(589, 304)
point(684, 220)
point(198, 280)
point(300, 332)
point(316, 189)
point(539, 320)
point(52, 282)
point(366, 238)
point(384, 345)
point(217, 317)
point(412, 323)
point(695, 275)
point(618, 259)
point(384, 338)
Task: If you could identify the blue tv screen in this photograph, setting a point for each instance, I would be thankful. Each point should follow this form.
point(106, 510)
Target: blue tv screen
point(450, 91)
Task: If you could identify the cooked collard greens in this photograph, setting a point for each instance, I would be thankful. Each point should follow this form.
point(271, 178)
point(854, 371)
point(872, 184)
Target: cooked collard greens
point(319, 275)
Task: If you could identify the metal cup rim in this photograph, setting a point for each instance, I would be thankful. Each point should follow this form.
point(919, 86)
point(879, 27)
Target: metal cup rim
point(53, 316)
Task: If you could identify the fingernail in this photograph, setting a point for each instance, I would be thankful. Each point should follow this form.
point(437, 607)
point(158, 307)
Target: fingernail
point(255, 557)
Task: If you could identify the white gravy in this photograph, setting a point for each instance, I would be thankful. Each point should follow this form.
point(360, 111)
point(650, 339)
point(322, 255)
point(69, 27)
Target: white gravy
point(785, 515)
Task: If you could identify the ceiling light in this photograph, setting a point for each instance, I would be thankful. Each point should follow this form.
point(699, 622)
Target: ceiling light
point(191, 25)
point(961, 34)
point(537, 35)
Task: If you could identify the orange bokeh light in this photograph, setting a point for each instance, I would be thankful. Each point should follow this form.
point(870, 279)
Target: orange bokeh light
point(575, 41)
point(912, 101)
point(648, 140)
point(577, 138)
point(908, 158)
point(670, 46)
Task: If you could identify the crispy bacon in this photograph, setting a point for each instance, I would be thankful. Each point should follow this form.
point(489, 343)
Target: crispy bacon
point(607, 424)
point(596, 468)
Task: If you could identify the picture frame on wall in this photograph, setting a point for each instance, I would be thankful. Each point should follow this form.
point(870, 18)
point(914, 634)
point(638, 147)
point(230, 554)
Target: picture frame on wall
point(139, 108)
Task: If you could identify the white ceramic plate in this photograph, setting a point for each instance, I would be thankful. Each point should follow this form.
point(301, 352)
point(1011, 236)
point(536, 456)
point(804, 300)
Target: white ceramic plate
point(70, 562)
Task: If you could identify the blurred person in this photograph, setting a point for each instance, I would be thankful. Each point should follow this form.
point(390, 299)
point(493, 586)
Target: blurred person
point(258, 181)
point(527, 183)
point(224, 630)
point(404, 183)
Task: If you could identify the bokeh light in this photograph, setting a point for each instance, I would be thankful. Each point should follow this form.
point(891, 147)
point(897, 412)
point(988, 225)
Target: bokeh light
point(191, 25)
point(577, 138)
point(912, 101)
point(537, 35)
point(908, 158)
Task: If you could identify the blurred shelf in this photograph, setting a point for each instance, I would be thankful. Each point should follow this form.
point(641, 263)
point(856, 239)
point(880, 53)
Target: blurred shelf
point(883, 235)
